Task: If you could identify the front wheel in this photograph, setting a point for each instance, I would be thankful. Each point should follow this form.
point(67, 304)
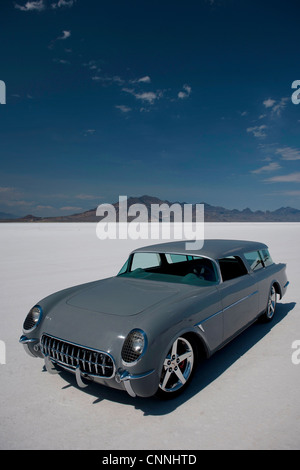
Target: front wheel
point(178, 368)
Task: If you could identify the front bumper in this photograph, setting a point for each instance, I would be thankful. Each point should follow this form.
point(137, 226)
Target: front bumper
point(143, 384)
point(135, 385)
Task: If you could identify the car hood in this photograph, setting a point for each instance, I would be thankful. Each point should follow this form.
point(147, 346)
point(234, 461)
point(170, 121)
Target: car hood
point(100, 314)
point(122, 296)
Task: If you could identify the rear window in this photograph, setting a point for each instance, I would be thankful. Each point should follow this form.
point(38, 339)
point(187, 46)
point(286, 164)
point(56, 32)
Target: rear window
point(255, 260)
point(266, 257)
point(259, 259)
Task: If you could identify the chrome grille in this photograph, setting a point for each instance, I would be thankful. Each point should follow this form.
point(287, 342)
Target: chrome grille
point(90, 361)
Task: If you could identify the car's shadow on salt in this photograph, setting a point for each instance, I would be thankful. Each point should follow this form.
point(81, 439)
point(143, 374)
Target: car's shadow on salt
point(207, 371)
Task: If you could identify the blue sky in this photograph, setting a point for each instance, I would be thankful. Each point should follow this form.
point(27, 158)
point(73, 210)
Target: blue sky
point(187, 101)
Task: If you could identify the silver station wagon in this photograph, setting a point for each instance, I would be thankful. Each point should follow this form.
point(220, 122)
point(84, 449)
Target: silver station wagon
point(143, 330)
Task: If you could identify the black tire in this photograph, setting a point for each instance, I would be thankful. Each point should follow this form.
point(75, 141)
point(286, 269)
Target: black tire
point(178, 368)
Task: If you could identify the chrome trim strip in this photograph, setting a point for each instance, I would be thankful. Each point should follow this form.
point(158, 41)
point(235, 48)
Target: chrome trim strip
point(208, 318)
point(239, 301)
point(224, 309)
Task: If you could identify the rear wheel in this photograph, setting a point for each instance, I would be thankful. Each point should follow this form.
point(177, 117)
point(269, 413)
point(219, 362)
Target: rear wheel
point(271, 306)
point(178, 368)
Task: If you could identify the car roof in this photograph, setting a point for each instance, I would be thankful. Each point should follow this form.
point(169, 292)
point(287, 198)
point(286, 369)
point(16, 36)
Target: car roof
point(212, 248)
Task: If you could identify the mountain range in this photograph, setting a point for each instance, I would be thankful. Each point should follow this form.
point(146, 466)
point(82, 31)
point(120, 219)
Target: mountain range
point(211, 213)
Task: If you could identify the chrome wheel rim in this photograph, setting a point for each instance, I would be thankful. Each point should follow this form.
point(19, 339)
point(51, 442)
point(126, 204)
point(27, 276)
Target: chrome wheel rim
point(178, 366)
point(271, 303)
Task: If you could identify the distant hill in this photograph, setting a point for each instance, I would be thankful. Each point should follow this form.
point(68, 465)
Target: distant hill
point(4, 215)
point(211, 213)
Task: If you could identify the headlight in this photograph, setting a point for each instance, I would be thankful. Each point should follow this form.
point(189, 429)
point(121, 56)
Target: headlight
point(33, 318)
point(134, 347)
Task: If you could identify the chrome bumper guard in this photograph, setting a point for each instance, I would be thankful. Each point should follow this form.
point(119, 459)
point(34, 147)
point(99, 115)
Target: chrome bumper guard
point(123, 376)
point(51, 368)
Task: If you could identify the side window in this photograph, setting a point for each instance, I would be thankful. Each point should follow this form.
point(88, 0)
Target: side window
point(267, 260)
point(232, 267)
point(174, 258)
point(145, 260)
point(255, 260)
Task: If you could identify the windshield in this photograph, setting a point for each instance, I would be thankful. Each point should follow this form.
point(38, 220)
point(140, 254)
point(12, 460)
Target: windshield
point(170, 267)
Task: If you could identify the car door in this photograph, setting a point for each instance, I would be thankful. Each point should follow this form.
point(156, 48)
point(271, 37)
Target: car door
point(239, 296)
